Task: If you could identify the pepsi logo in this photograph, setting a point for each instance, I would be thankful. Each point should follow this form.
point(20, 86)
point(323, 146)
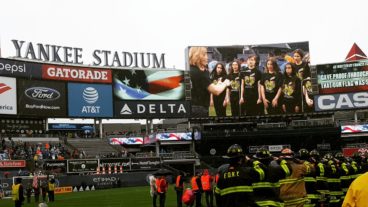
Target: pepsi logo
point(90, 95)
point(42, 94)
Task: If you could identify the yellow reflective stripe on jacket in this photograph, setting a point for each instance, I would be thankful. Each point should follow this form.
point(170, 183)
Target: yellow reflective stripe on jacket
point(294, 201)
point(310, 179)
point(236, 189)
point(265, 185)
point(321, 169)
point(345, 177)
point(217, 190)
point(290, 180)
point(355, 176)
point(313, 196)
point(336, 193)
point(269, 203)
point(285, 167)
point(345, 168)
point(354, 165)
point(333, 180)
point(259, 170)
point(308, 168)
point(320, 178)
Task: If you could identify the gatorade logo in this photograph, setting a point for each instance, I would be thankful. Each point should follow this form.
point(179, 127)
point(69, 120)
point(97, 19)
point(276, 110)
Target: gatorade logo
point(4, 88)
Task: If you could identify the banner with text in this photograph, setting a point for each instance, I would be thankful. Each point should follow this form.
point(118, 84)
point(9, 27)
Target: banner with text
point(341, 101)
point(343, 77)
point(8, 95)
point(17, 68)
point(82, 166)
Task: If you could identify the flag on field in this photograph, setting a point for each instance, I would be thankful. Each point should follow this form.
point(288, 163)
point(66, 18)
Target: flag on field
point(149, 85)
point(35, 182)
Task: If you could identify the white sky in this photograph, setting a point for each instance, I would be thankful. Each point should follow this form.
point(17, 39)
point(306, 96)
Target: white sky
point(169, 26)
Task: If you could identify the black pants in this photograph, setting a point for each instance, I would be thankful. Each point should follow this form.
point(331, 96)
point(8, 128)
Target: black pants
point(154, 198)
point(37, 198)
point(251, 108)
point(179, 195)
point(290, 106)
point(209, 198)
point(218, 102)
point(51, 196)
point(198, 197)
point(44, 197)
point(18, 203)
point(162, 199)
point(234, 101)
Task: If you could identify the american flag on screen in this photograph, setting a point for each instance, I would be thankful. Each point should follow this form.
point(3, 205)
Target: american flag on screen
point(126, 141)
point(174, 136)
point(354, 128)
point(149, 85)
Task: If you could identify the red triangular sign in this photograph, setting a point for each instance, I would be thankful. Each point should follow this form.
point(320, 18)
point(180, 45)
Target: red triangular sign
point(355, 54)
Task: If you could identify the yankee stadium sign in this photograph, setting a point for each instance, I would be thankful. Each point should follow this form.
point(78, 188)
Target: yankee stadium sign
point(74, 55)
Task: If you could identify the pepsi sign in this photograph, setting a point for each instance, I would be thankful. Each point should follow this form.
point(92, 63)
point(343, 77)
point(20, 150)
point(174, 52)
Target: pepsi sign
point(90, 100)
point(42, 98)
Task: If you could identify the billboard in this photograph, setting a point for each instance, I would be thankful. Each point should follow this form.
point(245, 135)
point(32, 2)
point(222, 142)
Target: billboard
point(89, 100)
point(126, 141)
point(16, 68)
point(343, 77)
point(79, 74)
point(149, 85)
point(41, 98)
point(352, 129)
point(80, 166)
point(237, 81)
point(342, 101)
point(184, 136)
point(8, 96)
point(151, 109)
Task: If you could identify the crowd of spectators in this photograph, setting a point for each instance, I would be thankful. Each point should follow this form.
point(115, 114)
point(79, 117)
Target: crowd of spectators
point(19, 150)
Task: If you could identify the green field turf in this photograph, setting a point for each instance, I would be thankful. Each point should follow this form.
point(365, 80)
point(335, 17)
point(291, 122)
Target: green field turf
point(118, 197)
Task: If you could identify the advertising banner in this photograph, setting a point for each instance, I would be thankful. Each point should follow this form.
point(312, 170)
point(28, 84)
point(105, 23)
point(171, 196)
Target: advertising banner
point(145, 163)
point(112, 162)
point(152, 109)
point(185, 136)
point(16, 68)
point(341, 101)
point(41, 98)
point(62, 190)
point(8, 96)
point(89, 100)
point(18, 125)
point(81, 166)
point(55, 166)
point(227, 80)
point(352, 129)
point(12, 163)
point(71, 127)
point(149, 85)
point(126, 141)
point(343, 77)
point(78, 74)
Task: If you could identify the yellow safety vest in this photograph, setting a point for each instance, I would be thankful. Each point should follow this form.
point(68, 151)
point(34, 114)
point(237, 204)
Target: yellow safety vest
point(15, 192)
point(51, 186)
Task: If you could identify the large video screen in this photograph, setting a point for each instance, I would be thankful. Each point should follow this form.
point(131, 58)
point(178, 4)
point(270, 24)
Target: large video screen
point(149, 85)
point(250, 80)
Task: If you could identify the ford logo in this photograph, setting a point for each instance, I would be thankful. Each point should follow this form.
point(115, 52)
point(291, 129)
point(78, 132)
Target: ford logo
point(42, 94)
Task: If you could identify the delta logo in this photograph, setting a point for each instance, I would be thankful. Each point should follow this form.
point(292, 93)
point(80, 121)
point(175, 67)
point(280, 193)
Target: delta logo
point(4, 88)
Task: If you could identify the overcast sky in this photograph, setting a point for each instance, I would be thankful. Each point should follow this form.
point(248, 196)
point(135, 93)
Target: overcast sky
point(169, 26)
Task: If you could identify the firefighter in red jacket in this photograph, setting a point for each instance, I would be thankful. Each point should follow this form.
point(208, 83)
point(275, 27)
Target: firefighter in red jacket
point(207, 180)
point(179, 187)
point(161, 186)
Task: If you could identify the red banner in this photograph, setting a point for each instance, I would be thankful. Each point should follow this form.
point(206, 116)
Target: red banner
point(12, 163)
point(91, 75)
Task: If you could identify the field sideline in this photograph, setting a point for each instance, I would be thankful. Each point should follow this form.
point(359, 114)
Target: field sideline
point(117, 197)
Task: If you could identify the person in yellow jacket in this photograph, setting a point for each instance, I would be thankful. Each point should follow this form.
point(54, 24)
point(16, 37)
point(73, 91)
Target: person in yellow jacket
point(357, 194)
point(51, 190)
point(17, 192)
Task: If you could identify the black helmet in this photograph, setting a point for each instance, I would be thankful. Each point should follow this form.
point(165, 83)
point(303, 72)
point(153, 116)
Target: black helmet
point(314, 153)
point(339, 156)
point(262, 153)
point(303, 154)
point(328, 156)
point(357, 157)
point(234, 151)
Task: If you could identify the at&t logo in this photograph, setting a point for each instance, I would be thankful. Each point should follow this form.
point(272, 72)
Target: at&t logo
point(90, 95)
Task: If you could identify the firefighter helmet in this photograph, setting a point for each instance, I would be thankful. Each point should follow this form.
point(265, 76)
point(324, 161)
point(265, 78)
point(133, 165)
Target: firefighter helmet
point(339, 156)
point(234, 151)
point(328, 156)
point(303, 154)
point(287, 153)
point(314, 153)
point(262, 154)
